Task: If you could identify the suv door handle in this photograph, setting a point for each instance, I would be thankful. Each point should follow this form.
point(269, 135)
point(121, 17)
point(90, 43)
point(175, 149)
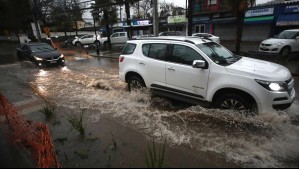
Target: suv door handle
point(171, 68)
point(141, 63)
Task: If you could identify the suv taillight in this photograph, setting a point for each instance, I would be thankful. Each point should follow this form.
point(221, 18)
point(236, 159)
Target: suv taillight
point(121, 58)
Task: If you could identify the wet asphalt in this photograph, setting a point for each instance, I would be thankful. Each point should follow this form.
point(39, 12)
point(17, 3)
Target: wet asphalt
point(19, 96)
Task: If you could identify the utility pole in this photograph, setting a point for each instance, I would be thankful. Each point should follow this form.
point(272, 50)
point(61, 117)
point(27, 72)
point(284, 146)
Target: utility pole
point(189, 16)
point(155, 18)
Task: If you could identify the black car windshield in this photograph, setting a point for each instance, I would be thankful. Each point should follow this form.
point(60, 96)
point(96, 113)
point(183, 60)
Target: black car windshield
point(286, 35)
point(218, 53)
point(41, 48)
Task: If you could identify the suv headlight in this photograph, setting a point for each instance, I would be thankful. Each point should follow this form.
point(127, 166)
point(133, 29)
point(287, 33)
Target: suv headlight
point(272, 86)
point(277, 44)
point(37, 58)
point(61, 56)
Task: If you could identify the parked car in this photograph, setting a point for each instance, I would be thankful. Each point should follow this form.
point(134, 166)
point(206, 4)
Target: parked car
point(89, 39)
point(194, 70)
point(42, 54)
point(284, 43)
point(119, 38)
point(171, 33)
point(207, 36)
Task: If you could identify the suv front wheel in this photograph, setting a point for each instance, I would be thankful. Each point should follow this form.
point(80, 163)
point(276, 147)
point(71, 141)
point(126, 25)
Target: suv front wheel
point(135, 83)
point(235, 102)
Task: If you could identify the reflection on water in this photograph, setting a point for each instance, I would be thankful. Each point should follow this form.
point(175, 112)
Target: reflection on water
point(266, 140)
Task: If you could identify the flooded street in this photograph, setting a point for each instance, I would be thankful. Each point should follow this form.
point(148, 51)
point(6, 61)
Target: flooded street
point(93, 85)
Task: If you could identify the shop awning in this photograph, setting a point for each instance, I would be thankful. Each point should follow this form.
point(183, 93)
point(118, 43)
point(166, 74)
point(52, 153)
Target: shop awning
point(288, 20)
point(257, 20)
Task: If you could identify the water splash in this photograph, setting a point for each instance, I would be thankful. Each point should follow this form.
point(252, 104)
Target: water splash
point(265, 140)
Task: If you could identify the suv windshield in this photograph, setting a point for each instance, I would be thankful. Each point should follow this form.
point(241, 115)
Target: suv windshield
point(218, 53)
point(286, 35)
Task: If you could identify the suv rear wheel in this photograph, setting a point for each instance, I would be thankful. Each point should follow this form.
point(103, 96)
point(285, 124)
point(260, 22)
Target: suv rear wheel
point(235, 102)
point(135, 83)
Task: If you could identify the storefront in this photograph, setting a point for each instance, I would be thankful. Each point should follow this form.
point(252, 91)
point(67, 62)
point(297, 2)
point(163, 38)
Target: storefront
point(177, 23)
point(288, 19)
point(258, 24)
point(201, 24)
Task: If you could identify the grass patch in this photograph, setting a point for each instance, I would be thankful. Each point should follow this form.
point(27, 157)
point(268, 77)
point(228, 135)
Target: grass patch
point(48, 111)
point(155, 156)
point(77, 122)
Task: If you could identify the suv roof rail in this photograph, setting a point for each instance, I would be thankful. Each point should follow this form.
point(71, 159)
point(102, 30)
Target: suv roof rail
point(152, 38)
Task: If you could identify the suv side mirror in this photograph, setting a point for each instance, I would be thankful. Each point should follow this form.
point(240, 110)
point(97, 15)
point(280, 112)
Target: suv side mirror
point(199, 64)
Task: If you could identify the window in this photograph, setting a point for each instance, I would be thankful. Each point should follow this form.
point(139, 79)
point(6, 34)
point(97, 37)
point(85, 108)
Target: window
point(145, 49)
point(212, 2)
point(129, 49)
point(184, 55)
point(122, 34)
point(114, 35)
point(200, 28)
point(155, 51)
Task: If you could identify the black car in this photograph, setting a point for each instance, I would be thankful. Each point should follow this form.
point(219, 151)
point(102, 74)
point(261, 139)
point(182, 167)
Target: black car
point(42, 54)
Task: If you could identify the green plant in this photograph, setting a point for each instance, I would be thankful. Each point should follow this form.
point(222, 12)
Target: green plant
point(77, 122)
point(48, 111)
point(155, 158)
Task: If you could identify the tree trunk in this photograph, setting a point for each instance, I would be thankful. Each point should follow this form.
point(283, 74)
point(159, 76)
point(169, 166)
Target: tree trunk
point(106, 18)
point(240, 23)
point(127, 6)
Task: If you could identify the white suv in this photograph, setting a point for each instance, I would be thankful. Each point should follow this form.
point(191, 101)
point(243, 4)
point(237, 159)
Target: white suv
point(193, 70)
point(284, 43)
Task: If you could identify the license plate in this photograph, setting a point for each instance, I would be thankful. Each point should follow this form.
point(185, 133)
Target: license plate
point(53, 61)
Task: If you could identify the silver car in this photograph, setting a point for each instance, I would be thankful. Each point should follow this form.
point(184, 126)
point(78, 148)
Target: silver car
point(284, 43)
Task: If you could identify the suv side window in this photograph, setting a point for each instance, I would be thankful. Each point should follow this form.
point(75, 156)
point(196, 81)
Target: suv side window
point(155, 50)
point(129, 49)
point(122, 34)
point(184, 55)
point(115, 35)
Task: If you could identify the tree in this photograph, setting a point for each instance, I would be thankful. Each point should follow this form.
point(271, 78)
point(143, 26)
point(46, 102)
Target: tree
point(14, 20)
point(142, 7)
point(64, 13)
point(105, 9)
point(168, 9)
point(127, 4)
point(239, 8)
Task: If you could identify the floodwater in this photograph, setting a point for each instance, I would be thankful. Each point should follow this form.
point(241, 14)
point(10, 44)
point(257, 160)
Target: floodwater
point(267, 140)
